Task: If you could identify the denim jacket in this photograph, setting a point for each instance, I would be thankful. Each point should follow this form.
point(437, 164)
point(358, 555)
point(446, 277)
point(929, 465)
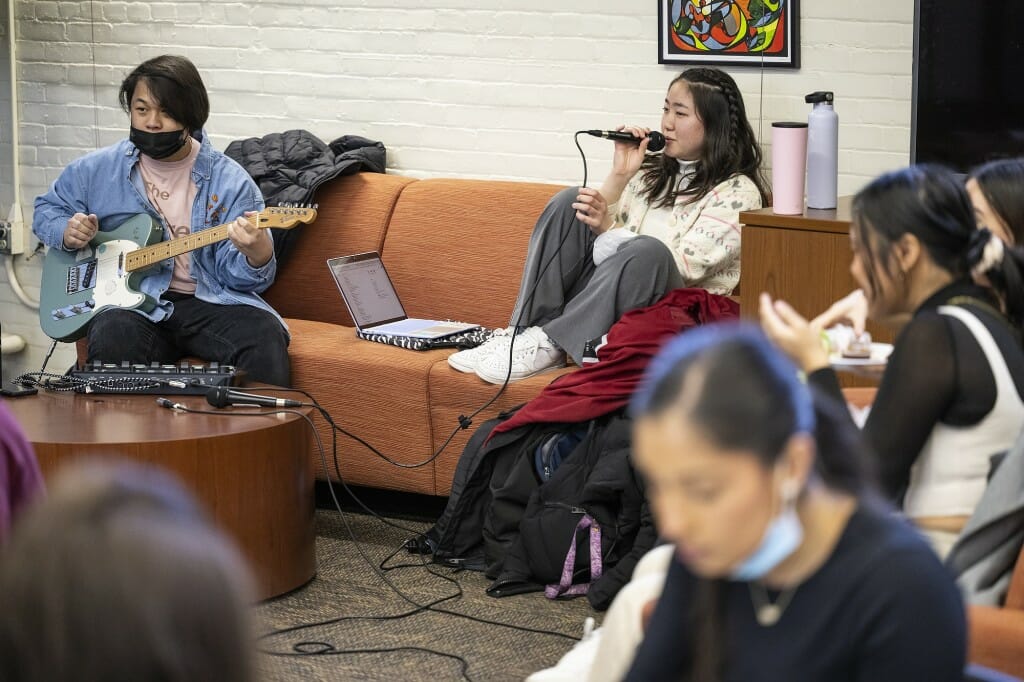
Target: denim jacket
point(108, 183)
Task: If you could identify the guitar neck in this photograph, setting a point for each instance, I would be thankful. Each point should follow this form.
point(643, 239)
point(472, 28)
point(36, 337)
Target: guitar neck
point(149, 255)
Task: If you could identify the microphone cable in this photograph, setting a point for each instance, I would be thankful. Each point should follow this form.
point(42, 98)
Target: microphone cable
point(464, 421)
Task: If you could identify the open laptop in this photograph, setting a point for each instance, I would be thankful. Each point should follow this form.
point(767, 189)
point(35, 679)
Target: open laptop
point(373, 302)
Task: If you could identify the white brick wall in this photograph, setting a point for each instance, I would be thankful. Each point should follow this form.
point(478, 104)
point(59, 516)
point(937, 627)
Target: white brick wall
point(450, 88)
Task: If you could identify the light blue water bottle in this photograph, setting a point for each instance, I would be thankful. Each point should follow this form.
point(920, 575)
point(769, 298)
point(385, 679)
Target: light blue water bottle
point(822, 151)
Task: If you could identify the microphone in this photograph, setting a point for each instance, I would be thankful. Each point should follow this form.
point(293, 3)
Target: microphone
point(222, 396)
point(164, 402)
point(656, 144)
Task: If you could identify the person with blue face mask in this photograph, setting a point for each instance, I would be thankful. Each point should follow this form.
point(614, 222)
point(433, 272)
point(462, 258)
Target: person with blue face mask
point(786, 566)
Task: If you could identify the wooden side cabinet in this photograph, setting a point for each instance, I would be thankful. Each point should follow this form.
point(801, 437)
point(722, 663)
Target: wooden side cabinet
point(803, 259)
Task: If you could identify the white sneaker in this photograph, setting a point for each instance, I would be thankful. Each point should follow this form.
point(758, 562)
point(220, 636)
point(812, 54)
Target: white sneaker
point(467, 360)
point(533, 353)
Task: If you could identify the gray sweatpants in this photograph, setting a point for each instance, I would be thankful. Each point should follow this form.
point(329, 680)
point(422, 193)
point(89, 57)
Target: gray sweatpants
point(575, 301)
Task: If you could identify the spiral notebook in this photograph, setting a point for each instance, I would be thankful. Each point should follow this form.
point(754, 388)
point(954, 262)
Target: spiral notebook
point(374, 305)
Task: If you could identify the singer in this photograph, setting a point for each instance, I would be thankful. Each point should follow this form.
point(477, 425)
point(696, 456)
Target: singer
point(658, 222)
point(207, 301)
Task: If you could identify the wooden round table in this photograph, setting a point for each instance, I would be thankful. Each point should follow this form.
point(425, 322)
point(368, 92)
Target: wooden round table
point(253, 473)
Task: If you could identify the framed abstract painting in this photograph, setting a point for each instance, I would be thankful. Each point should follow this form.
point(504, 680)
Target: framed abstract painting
point(729, 32)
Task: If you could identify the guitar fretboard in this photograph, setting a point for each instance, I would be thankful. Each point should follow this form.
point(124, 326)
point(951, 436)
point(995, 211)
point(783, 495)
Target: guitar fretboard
point(283, 217)
point(146, 256)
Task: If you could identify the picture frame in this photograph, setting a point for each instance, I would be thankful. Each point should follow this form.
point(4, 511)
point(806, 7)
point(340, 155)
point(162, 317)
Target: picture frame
point(729, 32)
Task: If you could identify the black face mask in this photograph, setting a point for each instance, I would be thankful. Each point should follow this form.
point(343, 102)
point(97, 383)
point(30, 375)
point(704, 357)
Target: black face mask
point(158, 145)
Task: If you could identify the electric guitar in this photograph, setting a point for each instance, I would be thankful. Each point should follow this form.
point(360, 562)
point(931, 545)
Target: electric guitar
point(77, 285)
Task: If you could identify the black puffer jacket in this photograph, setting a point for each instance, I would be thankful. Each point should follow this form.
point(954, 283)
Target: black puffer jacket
point(290, 166)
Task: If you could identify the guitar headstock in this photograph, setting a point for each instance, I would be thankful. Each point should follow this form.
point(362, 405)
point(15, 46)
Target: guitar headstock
point(286, 217)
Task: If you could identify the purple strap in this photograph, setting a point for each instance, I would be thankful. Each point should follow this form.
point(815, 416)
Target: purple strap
point(565, 587)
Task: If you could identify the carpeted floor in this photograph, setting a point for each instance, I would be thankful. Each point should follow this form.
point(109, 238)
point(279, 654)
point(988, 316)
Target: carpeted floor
point(347, 587)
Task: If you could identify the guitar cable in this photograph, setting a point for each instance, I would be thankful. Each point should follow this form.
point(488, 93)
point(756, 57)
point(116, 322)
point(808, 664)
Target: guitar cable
point(42, 378)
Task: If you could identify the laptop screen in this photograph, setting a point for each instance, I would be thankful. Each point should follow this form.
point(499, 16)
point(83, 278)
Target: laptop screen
point(367, 289)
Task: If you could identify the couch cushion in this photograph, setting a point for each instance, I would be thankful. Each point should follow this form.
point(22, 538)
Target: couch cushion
point(353, 213)
point(373, 391)
point(405, 403)
point(456, 248)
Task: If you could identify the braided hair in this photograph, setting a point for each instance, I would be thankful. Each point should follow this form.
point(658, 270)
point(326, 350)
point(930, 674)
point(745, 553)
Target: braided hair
point(730, 146)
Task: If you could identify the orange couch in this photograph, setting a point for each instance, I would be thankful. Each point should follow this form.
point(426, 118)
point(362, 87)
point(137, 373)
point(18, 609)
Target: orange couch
point(454, 249)
point(997, 634)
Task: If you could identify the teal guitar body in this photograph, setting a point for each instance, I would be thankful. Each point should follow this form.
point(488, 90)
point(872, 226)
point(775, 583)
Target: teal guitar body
point(77, 285)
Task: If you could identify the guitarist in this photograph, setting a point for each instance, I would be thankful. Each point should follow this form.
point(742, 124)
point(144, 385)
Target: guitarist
point(208, 302)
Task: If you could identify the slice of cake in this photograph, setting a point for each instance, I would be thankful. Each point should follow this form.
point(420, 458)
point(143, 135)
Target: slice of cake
point(859, 347)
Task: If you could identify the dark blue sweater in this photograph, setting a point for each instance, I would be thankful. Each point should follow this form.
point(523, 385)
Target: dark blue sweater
point(882, 607)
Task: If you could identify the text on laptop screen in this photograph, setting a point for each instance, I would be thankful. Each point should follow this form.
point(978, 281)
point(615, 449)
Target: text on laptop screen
point(368, 292)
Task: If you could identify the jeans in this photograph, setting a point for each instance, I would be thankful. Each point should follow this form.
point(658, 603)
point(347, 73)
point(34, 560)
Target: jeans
point(249, 338)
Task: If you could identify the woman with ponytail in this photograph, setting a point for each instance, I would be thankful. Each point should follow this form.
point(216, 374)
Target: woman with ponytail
point(660, 221)
point(952, 394)
point(785, 566)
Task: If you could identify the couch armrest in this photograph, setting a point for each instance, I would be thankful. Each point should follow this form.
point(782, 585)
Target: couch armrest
point(1015, 595)
point(996, 636)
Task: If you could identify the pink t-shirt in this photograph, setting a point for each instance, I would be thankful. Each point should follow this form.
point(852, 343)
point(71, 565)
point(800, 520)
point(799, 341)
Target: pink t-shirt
point(170, 190)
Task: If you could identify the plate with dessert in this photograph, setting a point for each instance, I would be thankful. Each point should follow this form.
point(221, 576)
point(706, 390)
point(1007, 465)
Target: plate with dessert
point(849, 349)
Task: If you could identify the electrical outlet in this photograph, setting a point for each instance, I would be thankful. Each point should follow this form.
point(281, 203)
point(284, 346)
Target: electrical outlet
point(12, 238)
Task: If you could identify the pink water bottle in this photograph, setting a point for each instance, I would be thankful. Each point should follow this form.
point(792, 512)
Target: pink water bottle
point(789, 163)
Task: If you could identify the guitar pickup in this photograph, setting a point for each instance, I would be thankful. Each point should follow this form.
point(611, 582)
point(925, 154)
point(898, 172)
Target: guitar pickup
point(81, 276)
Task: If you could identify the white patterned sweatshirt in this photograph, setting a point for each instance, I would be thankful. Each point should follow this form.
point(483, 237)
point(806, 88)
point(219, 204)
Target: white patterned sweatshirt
point(703, 235)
